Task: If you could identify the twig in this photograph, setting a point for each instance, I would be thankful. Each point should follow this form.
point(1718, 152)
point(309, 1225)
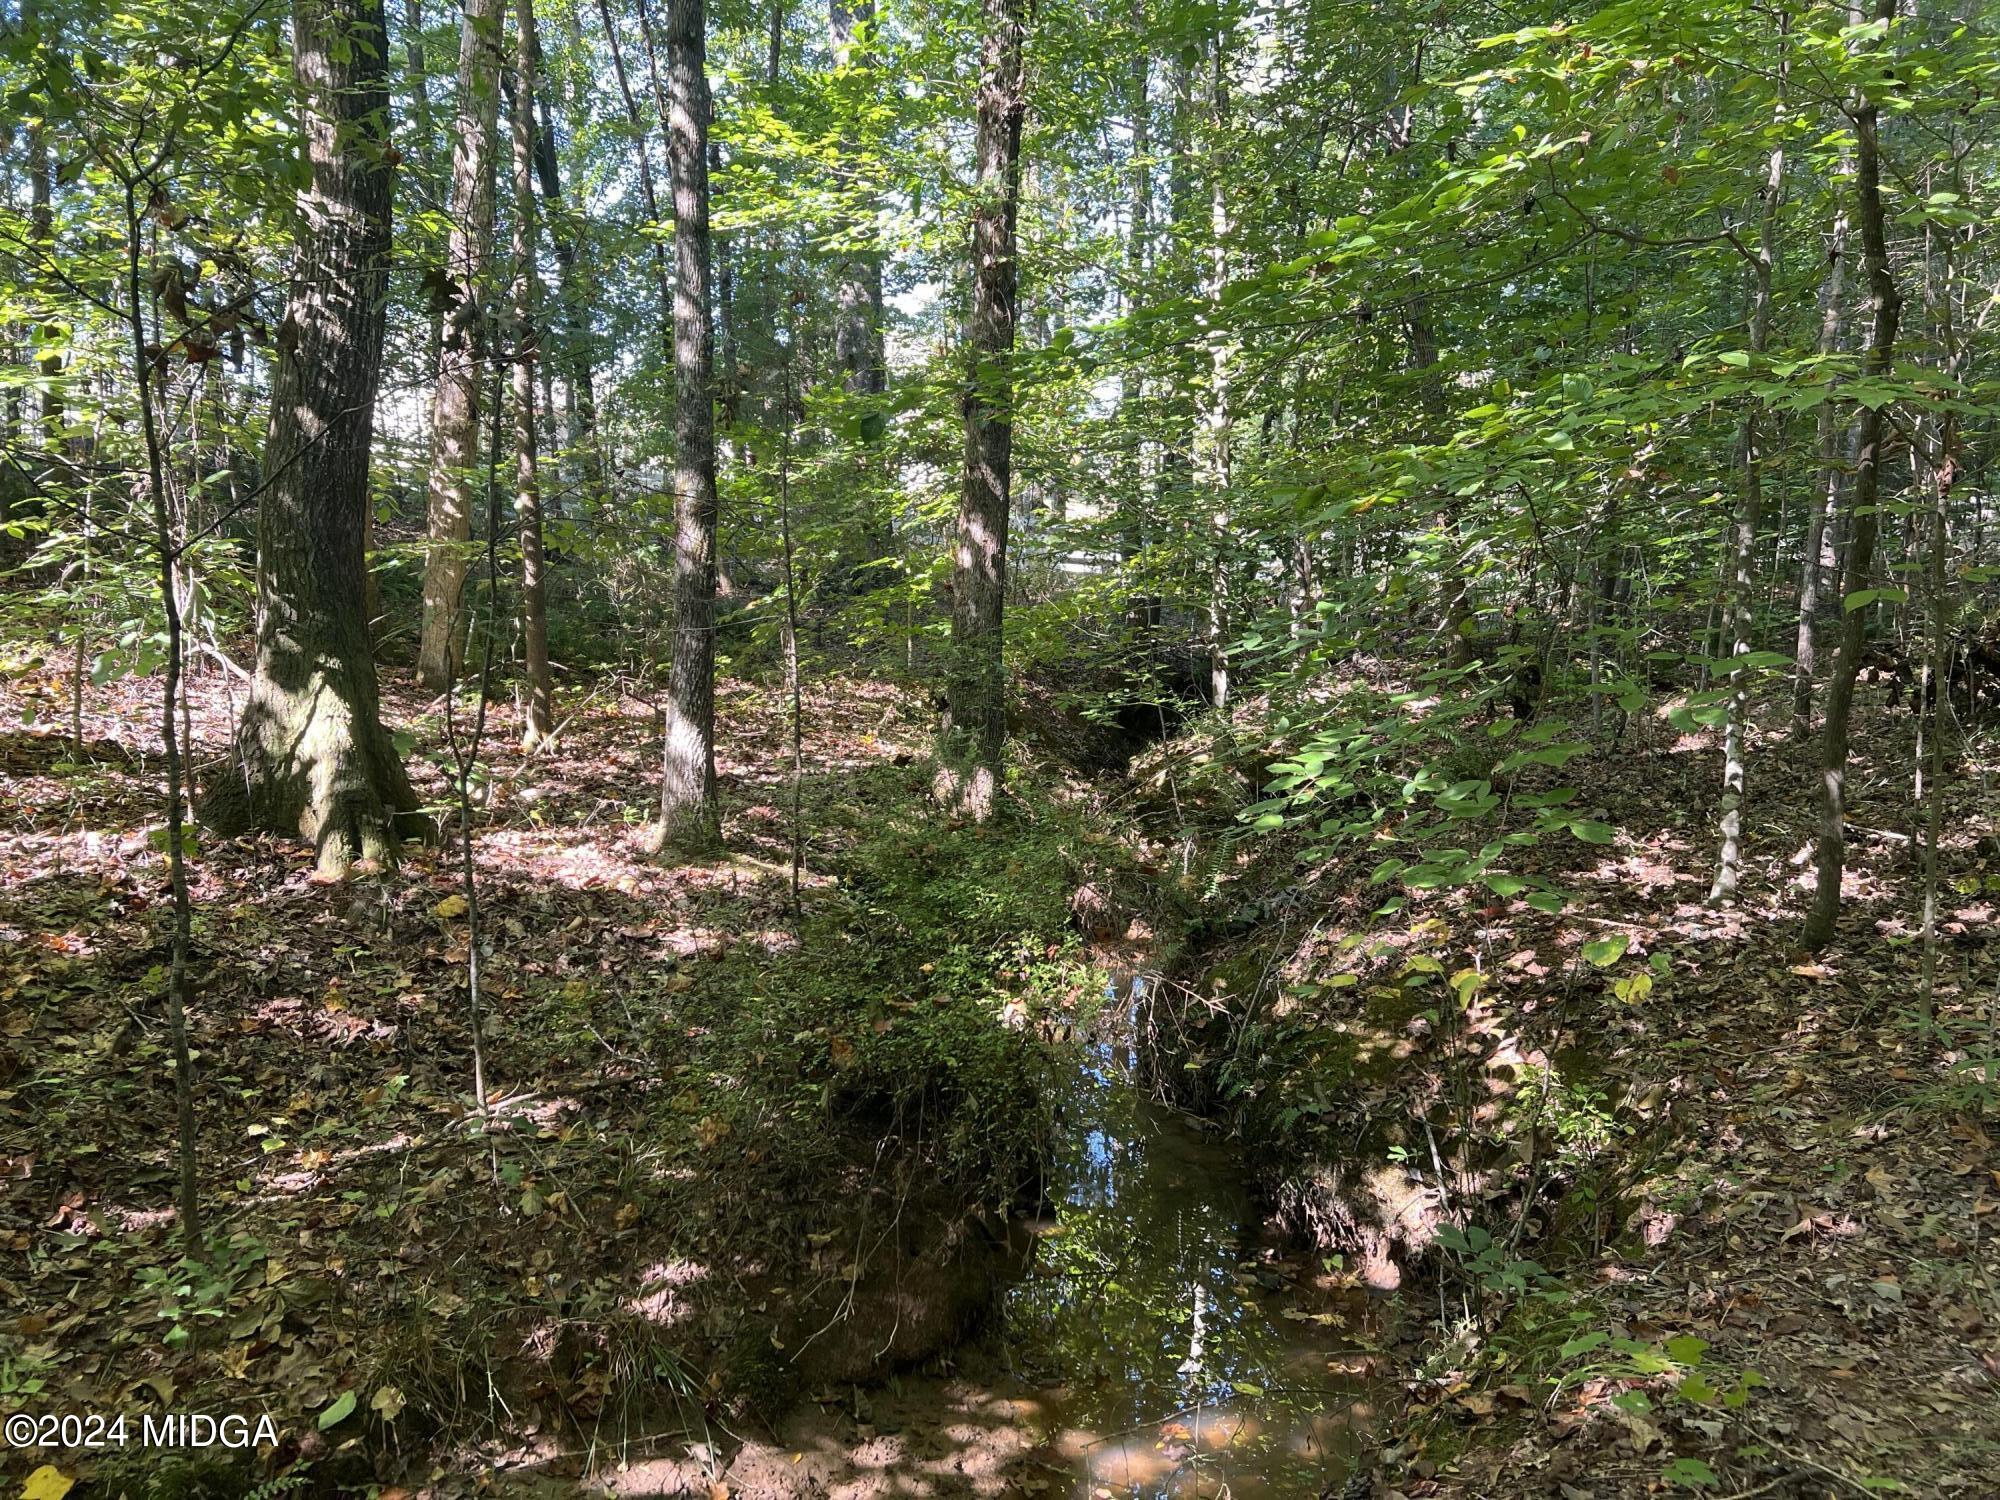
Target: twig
point(1763, 1489)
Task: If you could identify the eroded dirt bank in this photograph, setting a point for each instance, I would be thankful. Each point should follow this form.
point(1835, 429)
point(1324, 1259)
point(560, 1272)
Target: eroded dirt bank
point(1680, 1209)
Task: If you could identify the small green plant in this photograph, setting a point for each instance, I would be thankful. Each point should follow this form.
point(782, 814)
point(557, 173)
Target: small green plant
point(189, 1290)
point(1491, 1263)
point(23, 1376)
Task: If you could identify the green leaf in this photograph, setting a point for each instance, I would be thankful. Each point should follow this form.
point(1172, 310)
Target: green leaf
point(340, 1411)
point(1691, 1472)
point(1592, 832)
point(1686, 1349)
point(1862, 598)
point(1607, 951)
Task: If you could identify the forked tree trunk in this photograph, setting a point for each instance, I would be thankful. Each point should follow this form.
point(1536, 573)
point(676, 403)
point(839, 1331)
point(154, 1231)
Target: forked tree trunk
point(690, 816)
point(538, 725)
point(311, 753)
point(455, 420)
point(975, 722)
point(1885, 309)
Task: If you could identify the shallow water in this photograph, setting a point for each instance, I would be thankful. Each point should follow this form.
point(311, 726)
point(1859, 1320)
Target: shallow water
point(1174, 1352)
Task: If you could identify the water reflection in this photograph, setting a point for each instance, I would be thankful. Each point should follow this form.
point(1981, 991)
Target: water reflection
point(1178, 1355)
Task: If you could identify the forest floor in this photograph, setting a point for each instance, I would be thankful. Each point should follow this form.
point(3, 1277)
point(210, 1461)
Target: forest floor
point(716, 1135)
point(1750, 1163)
point(1726, 1219)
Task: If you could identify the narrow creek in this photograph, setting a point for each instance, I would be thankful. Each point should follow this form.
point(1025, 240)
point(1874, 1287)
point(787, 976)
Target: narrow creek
point(1153, 1344)
point(1173, 1351)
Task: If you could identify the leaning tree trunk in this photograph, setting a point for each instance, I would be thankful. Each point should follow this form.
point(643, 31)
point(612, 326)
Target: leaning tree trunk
point(538, 726)
point(455, 418)
point(1885, 308)
point(689, 814)
point(311, 753)
point(975, 723)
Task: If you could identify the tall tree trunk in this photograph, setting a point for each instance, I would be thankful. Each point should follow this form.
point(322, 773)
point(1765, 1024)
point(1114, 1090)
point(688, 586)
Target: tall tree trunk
point(1940, 296)
point(310, 747)
point(857, 335)
point(689, 813)
point(538, 726)
point(857, 327)
point(579, 377)
point(1132, 384)
point(1743, 544)
point(1174, 474)
point(1826, 486)
point(728, 389)
point(167, 541)
point(41, 230)
point(1885, 309)
point(647, 188)
point(975, 723)
point(1213, 440)
point(455, 421)
point(419, 77)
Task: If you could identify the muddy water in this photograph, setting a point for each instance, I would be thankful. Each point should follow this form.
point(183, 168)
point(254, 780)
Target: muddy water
point(1174, 1353)
point(1153, 1345)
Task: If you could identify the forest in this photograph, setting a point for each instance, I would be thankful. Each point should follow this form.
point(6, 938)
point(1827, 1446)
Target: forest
point(989, 748)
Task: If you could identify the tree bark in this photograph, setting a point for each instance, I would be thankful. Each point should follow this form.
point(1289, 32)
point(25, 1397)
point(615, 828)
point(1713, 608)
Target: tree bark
point(1743, 545)
point(975, 722)
point(578, 374)
point(420, 124)
point(1885, 308)
point(41, 230)
point(311, 753)
point(538, 720)
point(1132, 384)
point(455, 422)
point(1826, 488)
point(690, 815)
point(1213, 440)
point(647, 189)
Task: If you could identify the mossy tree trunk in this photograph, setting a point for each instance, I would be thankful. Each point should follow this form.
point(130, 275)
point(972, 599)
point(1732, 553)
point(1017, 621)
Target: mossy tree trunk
point(311, 753)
